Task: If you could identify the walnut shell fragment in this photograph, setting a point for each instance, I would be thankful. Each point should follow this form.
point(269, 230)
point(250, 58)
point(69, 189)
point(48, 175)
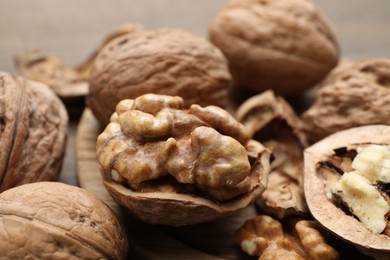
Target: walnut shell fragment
point(273, 122)
point(359, 94)
point(164, 61)
point(286, 46)
point(325, 162)
point(175, 166)
point(52, 220)
point(33, 132)
point(294, 238)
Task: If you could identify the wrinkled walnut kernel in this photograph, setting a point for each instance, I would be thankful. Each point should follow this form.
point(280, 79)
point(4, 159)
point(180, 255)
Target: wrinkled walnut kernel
point(268, 238)
point(202, 155)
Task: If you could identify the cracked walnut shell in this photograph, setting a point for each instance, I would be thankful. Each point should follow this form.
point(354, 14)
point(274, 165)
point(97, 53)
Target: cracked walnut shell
point(165, 61)
point(273, 122)
point(176, 166)
point(325, 162)
point(33, 132)
point(53, 220)
point(283, 45)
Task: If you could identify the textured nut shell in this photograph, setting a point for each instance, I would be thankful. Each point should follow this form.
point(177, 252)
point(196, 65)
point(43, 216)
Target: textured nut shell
point(282, 45)
point(183, 209)
point(49, 220)
point(284, 193)
point(166, 61)
point(329, 215)
point(33, 132)
point(357, 95)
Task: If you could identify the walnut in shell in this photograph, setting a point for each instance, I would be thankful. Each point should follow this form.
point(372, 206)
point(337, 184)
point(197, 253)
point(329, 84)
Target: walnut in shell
point(175, 166)
point(165, 61)
point(52, 220)
point(294, 238)
point(273, 122)
point(359, 94)
point(325, 163)
point(283, 45)
point(33, 132)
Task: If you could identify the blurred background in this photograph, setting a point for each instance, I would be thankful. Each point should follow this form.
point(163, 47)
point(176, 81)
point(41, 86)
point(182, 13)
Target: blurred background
point(74, 28)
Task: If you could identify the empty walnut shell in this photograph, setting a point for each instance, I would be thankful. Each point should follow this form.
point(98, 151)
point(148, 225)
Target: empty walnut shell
point(52, 220)
point(272, 121)
point(175, 166)
point(286, 46)
point(33, 132)
point(319, 176)
point(359, 94)
point(164, 61)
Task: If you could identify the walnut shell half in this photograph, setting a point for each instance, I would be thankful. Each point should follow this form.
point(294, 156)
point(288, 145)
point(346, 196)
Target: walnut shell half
point(33, 132)
point(324, 164)
point(165, 61)
point(175, 166)
point(52, 220)
point(283, 45)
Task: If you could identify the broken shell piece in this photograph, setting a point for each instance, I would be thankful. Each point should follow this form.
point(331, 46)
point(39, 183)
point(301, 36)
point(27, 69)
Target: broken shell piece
point(325, 163)
point(272, 121)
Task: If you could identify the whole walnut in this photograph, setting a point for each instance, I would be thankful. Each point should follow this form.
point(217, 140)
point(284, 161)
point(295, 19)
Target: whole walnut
point(52, 220)
point(283, 45)
point(33, 132)
point(175, 166)
point(164, 61)
point(359, 94)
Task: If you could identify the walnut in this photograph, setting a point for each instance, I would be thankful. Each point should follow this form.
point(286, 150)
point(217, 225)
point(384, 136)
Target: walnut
point(286, 46)
point(165, 61)
point(268, 238)
point(358, 95)
point(33, 132)
point(325, 163)
point(51, 69)
point(52, 220)
point(272, 121)
point(176, 166)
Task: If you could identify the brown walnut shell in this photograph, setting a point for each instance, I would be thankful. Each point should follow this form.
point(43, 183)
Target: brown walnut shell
point(175, 166)
point(33, 132)
point(272, 121)
point(320, 174)
point(286, 46)
point(52, 220)
point(165, 61)
point(358, 94)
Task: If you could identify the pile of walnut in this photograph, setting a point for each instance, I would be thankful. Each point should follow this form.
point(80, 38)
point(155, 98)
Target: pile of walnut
point(178, 161)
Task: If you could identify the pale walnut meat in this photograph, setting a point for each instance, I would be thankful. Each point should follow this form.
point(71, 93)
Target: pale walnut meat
point(273, 122)
point(286, 46)
point(51, 69)
point(175, 166)
point(164, 61)
point(52, 220)
point(33, 132)
point(325, 163)
point(297, 239)
point(358, 95)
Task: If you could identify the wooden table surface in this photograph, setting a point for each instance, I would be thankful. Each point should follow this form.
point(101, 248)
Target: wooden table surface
point(74, 28)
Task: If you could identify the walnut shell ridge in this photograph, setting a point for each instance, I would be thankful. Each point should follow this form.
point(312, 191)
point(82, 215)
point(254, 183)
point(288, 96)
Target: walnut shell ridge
point(53, 220)
point(286, 46)
point(165, 61)
point(33, 132)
